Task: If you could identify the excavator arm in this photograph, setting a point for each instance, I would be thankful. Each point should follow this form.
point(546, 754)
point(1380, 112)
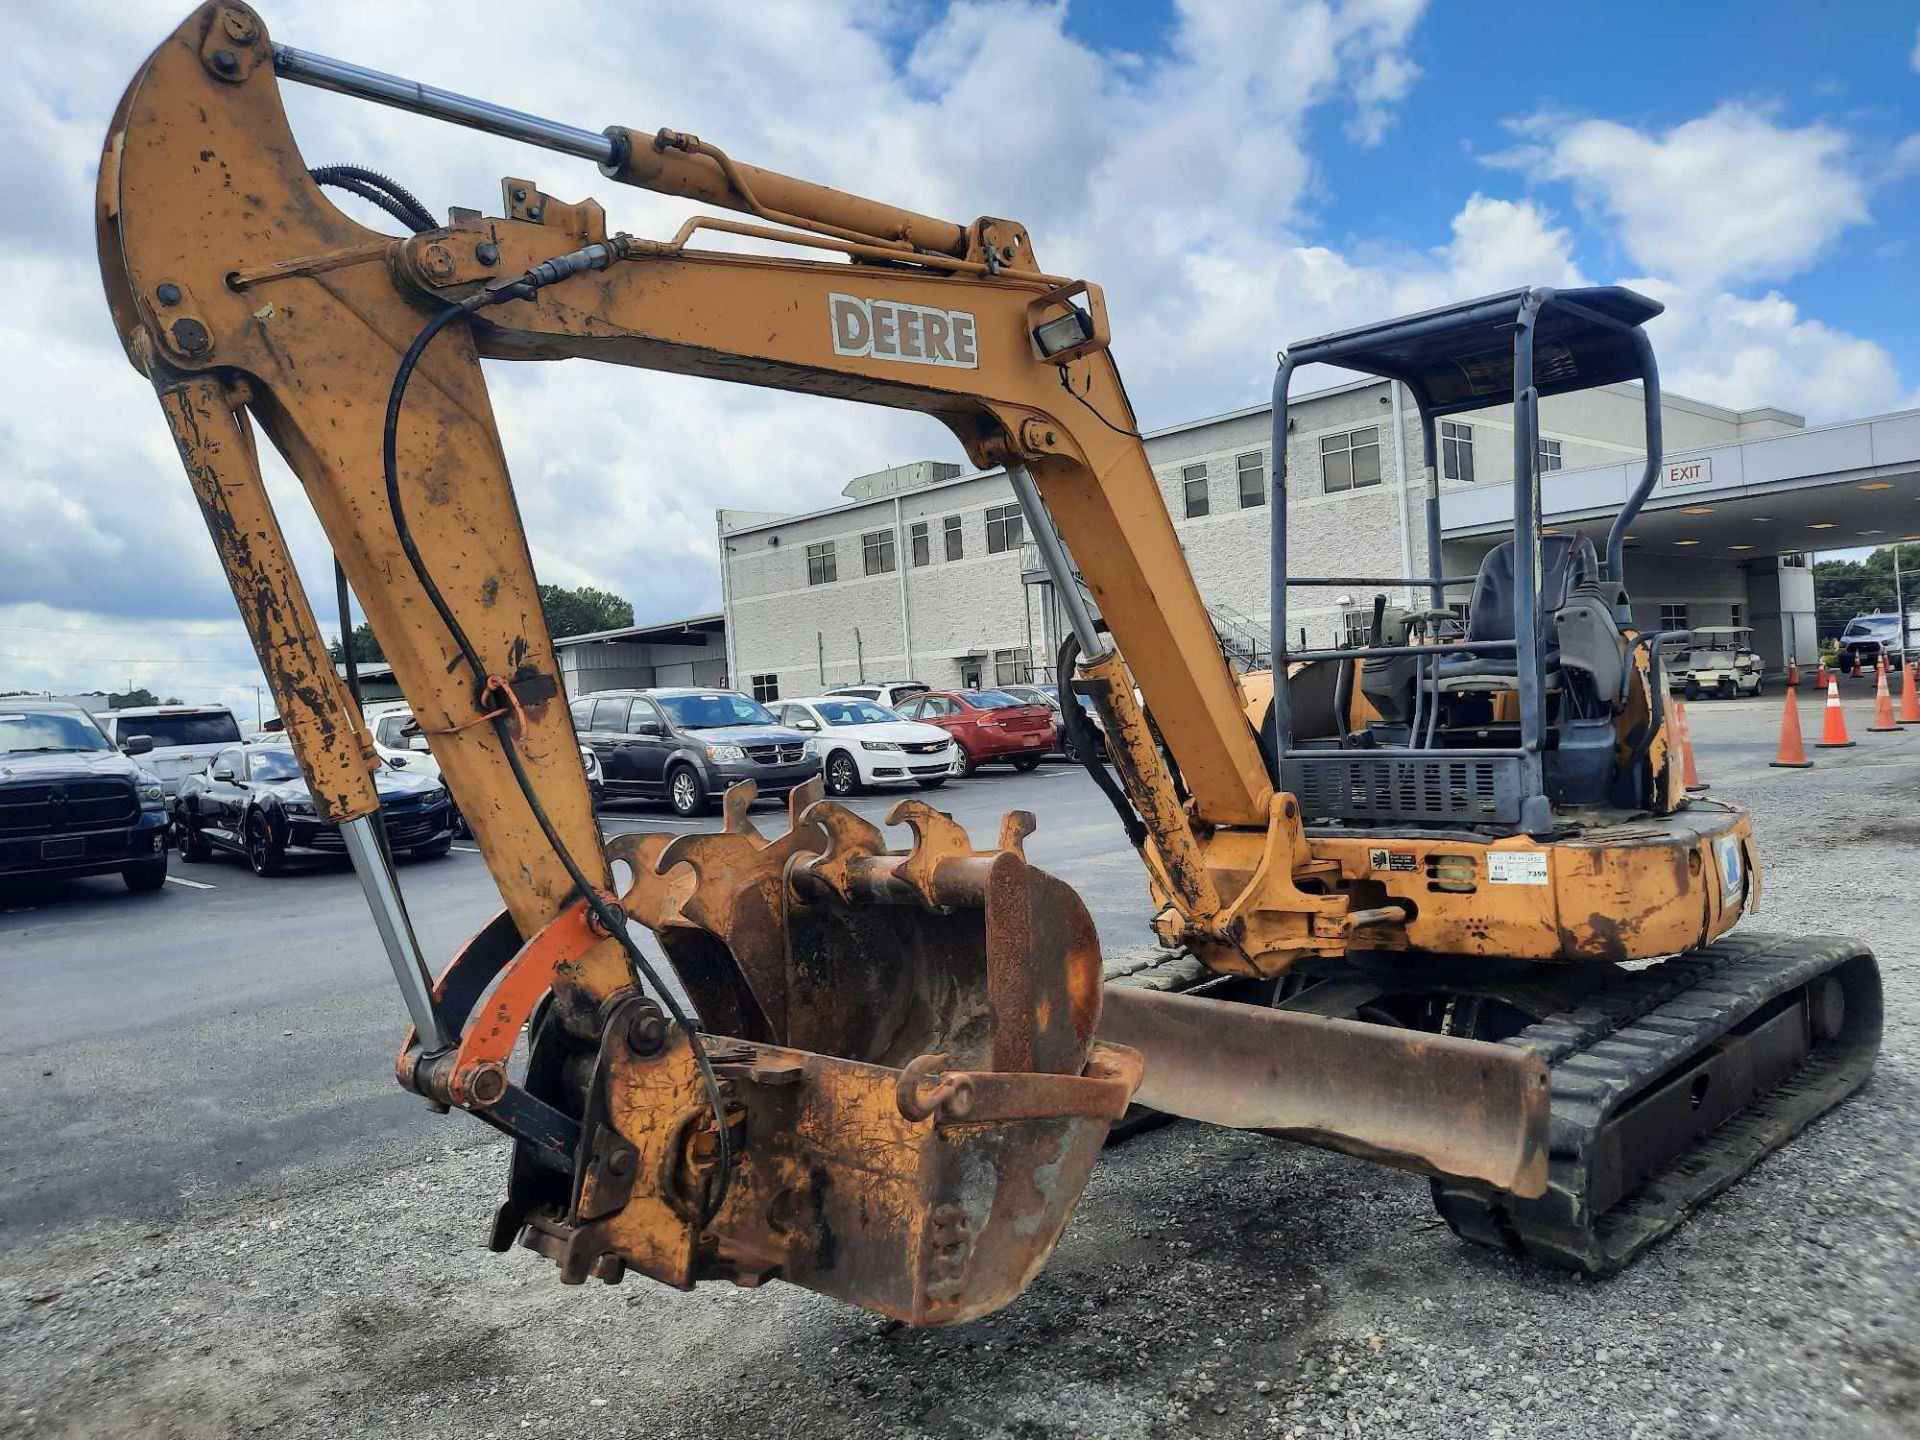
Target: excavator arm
point(887, 1085)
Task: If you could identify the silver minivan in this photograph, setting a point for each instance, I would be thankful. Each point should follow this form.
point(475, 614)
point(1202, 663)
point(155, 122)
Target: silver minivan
point(185, 738)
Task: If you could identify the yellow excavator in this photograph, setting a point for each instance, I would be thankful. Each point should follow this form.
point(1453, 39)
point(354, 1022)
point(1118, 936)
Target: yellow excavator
point(1454, 907)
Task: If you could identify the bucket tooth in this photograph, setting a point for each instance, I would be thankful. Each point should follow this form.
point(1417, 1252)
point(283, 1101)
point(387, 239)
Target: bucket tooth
point(1015, 826)
point(801, 797)
point(656, 893)
point(937, 837)
point(734, 806)
point(851, 840)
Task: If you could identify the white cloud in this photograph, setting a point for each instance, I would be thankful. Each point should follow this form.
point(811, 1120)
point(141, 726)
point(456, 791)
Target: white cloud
point(1742, 352)
point(1177, 180)
point(1728, 197)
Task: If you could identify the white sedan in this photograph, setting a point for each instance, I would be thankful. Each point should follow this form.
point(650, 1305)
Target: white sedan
point(861, 743)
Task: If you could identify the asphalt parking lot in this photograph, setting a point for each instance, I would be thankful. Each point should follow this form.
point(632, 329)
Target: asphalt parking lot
point(218, 1215)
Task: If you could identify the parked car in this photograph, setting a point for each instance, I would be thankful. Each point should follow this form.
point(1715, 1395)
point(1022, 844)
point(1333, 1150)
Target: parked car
point(253, 801)
point(72, 803)
point(892, 694)
point(185, 738)
point(398, 740)
point(689, 745)
point(987, 725)
point(1064, 744)
point(862, 743)
point(1721, 662)
point(1868, 637)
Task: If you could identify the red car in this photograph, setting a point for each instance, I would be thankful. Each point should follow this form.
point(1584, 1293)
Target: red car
point(987, 725)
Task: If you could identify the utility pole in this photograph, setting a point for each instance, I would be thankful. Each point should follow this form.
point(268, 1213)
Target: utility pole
point(259, 721)
point(1899, 603)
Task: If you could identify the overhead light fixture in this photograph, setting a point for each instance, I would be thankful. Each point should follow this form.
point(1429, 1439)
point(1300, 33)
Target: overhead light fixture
point(1686, 542)
point(1698, 510)
point(1875, 485)
point(1822, 525)
point(1872, 532)
point(1740, 547)
point(1761, 519)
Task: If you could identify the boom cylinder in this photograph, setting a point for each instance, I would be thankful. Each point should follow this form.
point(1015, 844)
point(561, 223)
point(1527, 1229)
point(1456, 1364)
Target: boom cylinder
point(684, 167)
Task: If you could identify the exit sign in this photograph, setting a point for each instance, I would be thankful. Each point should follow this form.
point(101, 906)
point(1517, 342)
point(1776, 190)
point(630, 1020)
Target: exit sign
point(1682, 473)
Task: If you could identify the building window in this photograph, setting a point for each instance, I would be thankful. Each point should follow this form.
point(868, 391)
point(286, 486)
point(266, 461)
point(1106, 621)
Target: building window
point(1549, 455)
point(766, 687)
point(1350, 461)
point(876, 547)
point(1253, 480)
point(1456, 450)
point(821, 568)
point(1673, 617)
point(919, 545)
point(1004, 528)
point(1012, 667)
point(1738, 611)
point(956, 542)
point(1193, 486)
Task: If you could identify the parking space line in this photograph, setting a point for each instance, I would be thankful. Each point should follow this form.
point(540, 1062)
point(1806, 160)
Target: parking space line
point(190, 884)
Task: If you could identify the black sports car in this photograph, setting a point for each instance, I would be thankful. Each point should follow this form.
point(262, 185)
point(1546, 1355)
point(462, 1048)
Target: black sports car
point(252, 799)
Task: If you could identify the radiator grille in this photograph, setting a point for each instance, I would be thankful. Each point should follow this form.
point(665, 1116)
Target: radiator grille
point(64, 807)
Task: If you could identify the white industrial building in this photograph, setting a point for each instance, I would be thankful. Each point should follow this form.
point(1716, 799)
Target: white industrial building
point(926, 572)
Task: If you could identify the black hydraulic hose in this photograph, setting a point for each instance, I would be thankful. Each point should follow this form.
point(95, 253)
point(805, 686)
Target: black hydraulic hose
point(370, 185)
point(1086, 743)
point(608, 918)
point(346, 634)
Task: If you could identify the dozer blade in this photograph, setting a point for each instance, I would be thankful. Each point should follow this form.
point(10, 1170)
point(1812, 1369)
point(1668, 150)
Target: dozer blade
point(914, 1096)
point(1434, 1104)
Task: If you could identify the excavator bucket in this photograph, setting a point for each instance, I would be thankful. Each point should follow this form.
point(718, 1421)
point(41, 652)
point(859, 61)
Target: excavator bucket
point(905, 1043)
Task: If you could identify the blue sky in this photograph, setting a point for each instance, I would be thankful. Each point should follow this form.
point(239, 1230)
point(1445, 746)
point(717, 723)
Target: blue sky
point(1235, 173)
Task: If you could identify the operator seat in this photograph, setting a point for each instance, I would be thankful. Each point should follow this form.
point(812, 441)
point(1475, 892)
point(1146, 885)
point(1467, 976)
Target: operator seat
point(1567, 563)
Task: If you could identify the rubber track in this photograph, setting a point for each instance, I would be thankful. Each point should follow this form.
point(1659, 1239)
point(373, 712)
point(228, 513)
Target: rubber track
point(1628, 1036)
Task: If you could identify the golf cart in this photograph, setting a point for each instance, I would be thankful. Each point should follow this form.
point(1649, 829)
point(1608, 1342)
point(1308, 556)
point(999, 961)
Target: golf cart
point(1720, 662)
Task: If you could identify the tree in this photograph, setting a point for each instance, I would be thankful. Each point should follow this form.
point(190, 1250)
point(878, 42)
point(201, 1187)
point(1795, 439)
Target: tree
point(583, 611)
point(139, 695)
point(568, 612)
point(366, 649)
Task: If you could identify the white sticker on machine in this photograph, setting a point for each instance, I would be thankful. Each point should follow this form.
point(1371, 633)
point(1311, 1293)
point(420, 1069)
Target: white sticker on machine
point(1517, 867)
point(1733, 871)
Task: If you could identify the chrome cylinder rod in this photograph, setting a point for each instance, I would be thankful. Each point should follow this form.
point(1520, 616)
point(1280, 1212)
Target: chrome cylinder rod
point(396, 930)
point(305, 68)
point(1053, 555)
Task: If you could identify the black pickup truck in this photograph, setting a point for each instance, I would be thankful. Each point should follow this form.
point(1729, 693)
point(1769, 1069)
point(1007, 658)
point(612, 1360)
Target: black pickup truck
point(71, 804)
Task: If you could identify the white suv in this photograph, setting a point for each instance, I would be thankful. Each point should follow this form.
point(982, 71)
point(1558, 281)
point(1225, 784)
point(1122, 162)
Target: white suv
point(185, 738)
point(861, 743)
point(892, 695)
point(398, 741)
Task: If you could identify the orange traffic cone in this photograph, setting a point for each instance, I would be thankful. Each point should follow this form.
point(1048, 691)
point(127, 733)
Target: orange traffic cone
point(1793, 751)
point(1833, 731)
point(1689, 775)
point(1909, 703)
point(1882, 704)
point(1793, 673)
point(1820, 677)
point(1856, 664)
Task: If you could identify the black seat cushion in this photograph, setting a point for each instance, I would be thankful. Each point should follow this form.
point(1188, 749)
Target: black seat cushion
point(1566, 562)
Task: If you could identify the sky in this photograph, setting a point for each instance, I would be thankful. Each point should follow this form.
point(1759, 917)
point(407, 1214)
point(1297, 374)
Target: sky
point(1236, 174)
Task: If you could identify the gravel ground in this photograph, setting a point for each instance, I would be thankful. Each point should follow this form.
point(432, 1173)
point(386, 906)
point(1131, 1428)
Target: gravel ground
point(1211, 1284)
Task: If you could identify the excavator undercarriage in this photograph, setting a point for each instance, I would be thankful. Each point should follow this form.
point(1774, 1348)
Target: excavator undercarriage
point(1424, 878)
